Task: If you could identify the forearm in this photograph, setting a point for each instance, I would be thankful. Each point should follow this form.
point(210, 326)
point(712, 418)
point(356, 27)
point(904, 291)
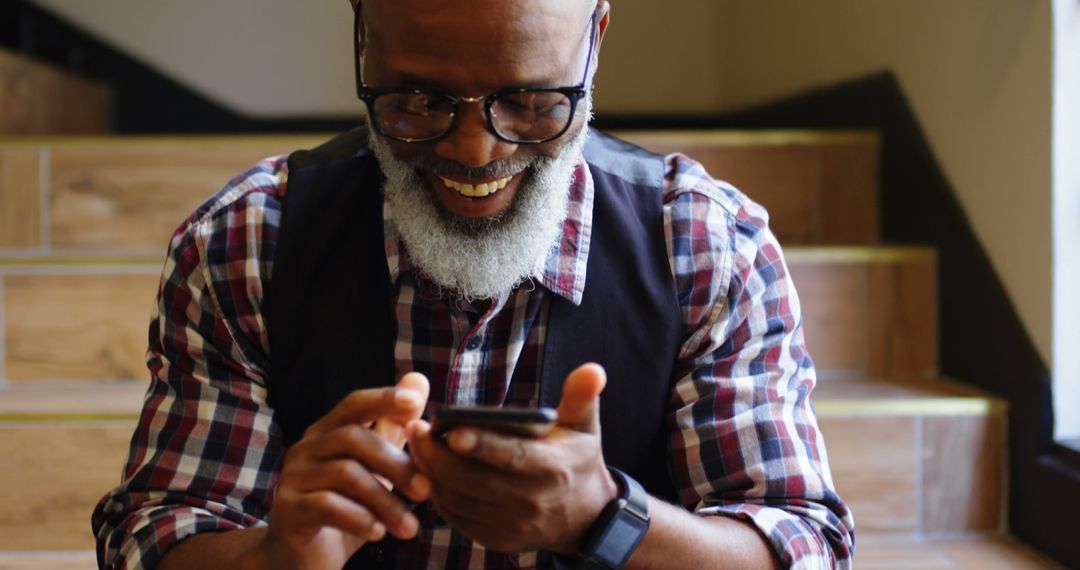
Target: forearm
point(700, 542)
point(243, 549)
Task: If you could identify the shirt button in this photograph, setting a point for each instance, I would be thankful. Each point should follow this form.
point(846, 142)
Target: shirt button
point(474, 343)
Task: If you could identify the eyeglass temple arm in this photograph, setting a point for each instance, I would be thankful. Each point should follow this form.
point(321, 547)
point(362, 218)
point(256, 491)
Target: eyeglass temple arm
point(359, 37)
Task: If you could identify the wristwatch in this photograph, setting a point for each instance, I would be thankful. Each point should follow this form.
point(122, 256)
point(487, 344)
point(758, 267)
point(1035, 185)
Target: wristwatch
point(618, 530)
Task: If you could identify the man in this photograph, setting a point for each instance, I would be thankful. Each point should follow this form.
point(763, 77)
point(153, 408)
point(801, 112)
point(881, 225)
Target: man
point(476, 248)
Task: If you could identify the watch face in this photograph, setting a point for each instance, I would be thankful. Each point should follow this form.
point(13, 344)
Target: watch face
point(620, 538)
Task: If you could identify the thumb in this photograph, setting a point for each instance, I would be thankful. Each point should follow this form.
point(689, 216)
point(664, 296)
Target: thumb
point(580, 406)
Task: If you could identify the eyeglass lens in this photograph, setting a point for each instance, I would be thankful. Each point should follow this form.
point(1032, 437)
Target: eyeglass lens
point(517, 116)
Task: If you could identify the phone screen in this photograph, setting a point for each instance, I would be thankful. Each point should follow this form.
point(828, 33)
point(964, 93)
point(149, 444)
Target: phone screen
point(528, 422)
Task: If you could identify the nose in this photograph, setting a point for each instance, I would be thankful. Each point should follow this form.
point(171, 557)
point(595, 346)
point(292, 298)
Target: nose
point(471, 142)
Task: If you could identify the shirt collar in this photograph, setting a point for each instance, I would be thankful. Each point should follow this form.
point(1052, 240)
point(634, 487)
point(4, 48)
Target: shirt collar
point(563, 269)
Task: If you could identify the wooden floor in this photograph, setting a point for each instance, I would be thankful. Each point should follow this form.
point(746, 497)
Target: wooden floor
point(877, 552)
point(990, 552)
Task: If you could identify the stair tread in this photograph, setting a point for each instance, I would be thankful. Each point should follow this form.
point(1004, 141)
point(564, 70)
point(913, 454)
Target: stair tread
point(880, 551)
point(794, 253)
point(124, 398)
point(902, 397)
point(87, 400)
point(834, 389)
point(874, 551)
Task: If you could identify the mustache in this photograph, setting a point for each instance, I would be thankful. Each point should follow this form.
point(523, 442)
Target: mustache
point(449, 168)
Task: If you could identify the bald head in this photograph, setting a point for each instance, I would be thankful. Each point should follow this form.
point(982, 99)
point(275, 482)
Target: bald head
point(472, 47)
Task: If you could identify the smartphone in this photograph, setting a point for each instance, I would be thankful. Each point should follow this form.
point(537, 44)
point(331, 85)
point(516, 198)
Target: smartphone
point(526, 422)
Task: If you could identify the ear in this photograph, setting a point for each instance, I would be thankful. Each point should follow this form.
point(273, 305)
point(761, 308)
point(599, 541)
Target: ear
point(604, 9)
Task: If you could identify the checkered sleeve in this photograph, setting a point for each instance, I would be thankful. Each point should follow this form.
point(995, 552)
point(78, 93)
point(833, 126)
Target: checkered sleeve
point(745, 441)
point(206, 453)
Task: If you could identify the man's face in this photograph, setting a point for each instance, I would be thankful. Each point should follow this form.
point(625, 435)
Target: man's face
point(472, 48)
point(478, 246)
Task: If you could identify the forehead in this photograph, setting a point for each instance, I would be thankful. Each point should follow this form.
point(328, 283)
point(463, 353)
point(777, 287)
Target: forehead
point(475, 42)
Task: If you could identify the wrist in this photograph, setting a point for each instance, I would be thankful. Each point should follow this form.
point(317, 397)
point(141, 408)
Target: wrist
point(620, 527)
point(608, 490)
point(260, 554)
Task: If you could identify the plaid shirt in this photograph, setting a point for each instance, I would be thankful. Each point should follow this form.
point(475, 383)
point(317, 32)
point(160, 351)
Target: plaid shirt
point(744, 442)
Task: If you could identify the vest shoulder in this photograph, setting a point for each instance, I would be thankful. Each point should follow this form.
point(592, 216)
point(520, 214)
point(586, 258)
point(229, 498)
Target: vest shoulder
point(624, 160)
point(348, 145)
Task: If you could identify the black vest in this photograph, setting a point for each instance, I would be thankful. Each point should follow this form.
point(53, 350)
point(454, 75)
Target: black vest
point(332, 329)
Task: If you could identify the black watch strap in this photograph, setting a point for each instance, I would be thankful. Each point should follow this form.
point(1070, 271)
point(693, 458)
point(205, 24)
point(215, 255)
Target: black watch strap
point(618, 530)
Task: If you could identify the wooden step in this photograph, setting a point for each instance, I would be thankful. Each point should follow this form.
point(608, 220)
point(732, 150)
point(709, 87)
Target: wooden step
point(969, 552)
point(64, 446)
point(915, 456)
point(868, 311)
point(820, 187)
point(75, 319)
point(48, 560)
point(875, 552)
point(41, 99)
point(127, 194)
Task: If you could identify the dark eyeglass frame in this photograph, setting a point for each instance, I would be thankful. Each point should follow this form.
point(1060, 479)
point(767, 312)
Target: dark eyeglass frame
point(368, 95)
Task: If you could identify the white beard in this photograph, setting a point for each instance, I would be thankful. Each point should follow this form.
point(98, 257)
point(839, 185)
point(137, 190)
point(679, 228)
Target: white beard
point(480, 258)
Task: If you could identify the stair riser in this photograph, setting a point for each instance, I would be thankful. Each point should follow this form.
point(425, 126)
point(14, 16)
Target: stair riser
point(20, 198)
point(109, 197)
point(935, 474)
point(39, 99)
point(71, 326)
point(816, 193)
point(874, 318)
point(900, 474)
point(52, 478)
point(867, 318)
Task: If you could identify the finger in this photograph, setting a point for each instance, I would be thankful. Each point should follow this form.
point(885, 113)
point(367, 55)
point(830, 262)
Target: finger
point(349, 479)
point(376, 454)
point(418, 434)
point(501, 451)
point(392, 428)
point(580, 406)
point(416, 381)
point(449, 470)
point(363, 406)
point(326, 508)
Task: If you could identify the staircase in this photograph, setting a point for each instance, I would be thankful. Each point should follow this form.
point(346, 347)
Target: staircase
point(84, 222)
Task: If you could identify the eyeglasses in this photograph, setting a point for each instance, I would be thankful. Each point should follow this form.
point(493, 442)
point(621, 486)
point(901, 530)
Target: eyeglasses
point(519, 115)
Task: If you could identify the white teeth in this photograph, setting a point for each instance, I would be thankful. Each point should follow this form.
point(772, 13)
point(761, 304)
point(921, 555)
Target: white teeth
point(479, 190)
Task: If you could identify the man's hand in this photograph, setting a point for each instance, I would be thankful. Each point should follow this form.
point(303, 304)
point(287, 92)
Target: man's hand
point(515, 494)
point(336, 482)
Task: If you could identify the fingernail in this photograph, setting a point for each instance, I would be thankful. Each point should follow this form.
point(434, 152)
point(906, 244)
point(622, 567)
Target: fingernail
point(378, 531)
point(407, 396)
point(409, 525)
point(463, 440)
point(420, 427)
point(420, 484)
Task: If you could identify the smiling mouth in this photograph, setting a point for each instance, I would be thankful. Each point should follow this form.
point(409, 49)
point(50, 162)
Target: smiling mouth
point(476, 190)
